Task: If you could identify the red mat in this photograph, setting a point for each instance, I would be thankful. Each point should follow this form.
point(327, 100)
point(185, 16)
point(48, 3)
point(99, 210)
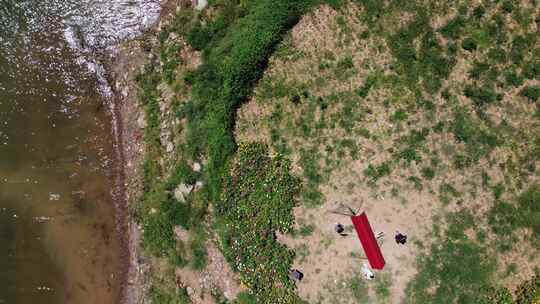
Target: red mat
point(368, 240)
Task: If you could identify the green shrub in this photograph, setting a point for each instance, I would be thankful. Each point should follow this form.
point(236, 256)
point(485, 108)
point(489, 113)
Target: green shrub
point(376, 172)
point(335, 4)
point(481, 96)
point(409, 154)
point(469, 44)
point(513, 79)
point(479, 12)
point(230, 69)
point(370, 81)
point(478, 141)
point(503, 218)
point(245, 298)
point(531, 70)
point(531, 92)
point(529, 207)
point(399, 115)
point(429, 63)
point(199, 37)
point(453, 28)
point(478, 70)
point(428, 173)
point(164, 296)
point(198, 251)
point(507, 6)
point(373, 9)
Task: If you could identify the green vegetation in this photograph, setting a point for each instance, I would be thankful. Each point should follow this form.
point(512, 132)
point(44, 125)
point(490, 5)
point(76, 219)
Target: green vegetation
point(456, 269)
point(257, 203)
point(531, 92)
point(230, 69)
point(397, 109)
point(505, 218)
point(236, 44)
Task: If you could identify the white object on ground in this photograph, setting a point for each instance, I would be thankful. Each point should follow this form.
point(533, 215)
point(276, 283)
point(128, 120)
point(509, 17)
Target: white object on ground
point(368, 274)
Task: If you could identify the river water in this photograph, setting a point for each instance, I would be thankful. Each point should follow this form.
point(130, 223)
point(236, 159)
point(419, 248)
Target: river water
point(60, 240)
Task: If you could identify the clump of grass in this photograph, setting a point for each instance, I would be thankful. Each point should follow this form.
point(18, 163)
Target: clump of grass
point(378, 171)
point(158, 294)
point(454, 27)
point(481, 96)
point(359, 288)
point(383, 282)
point(478, 141)
point(428, 173)
point(429, 62)
point(505, 218)
point(532, 93)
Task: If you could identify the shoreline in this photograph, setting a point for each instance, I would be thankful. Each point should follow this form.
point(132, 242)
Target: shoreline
point(120, 71)
point(122, 64)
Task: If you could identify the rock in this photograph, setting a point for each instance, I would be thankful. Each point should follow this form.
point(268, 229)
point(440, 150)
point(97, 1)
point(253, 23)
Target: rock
point(153, 211)
point(197, 167)
point(228, 295)
point(141, 122)
point(198, 185)
point(125, 91)
point(190, 291)
point(182, 191)
point(170, 147)
point(54, 197)
point(200, 4)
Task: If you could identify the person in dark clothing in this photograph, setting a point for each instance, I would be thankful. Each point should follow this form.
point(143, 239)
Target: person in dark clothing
point(400, 238)
point(340, 229)
point(297, 275)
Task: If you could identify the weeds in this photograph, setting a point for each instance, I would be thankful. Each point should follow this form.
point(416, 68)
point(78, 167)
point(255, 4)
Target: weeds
point(456, 270)
point(532, 93)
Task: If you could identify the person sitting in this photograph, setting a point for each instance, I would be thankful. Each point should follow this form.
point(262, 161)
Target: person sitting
point(400, 238)
point(340, 229)
point(297, 275)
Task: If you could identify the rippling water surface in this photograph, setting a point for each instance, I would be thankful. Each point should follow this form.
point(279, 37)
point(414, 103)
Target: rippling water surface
point(58, 240)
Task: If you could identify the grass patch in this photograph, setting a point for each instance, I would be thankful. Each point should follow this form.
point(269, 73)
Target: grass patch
point(456, 269)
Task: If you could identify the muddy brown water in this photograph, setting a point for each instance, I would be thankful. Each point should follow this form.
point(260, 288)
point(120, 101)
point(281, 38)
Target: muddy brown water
point(60, 241)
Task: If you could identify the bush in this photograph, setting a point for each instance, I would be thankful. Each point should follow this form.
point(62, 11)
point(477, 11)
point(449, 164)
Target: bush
point(469, 44)
point(478, 141)
point(531, 92)
point(428, 173)
point(481, 96)
point(429, 63)
point(199, 37)
point(376, 172)
point(453, 28)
